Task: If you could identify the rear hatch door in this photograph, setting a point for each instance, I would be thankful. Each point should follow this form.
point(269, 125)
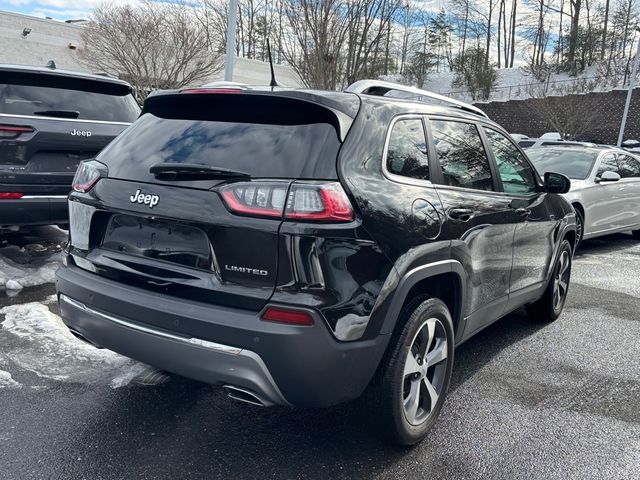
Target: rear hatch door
point(51, 122)
point(174, 233)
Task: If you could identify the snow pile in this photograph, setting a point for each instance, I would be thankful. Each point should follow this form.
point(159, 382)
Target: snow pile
point(6, 381)
point(37, 340)
point(14, 276)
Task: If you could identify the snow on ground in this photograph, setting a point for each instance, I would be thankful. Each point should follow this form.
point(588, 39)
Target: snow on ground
point(36, 340)
point(6, 381)
point(14, 276)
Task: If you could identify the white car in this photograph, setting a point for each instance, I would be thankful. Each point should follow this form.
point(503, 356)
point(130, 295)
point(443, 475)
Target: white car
point(605, 186)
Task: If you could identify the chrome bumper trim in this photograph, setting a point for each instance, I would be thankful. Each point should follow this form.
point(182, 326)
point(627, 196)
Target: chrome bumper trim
point(218, 347)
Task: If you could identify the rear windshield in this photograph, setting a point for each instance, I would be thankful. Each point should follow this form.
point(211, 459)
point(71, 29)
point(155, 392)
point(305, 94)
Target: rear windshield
point(87, 100)
point(264, 150)
point(574, 164)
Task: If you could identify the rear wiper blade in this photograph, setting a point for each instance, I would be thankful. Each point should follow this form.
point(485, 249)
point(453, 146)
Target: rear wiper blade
point(59, 113)
point(191, 171)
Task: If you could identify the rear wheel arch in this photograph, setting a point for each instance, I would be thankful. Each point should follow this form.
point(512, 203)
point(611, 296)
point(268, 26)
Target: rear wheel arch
point(443, 280)
point(570, 236)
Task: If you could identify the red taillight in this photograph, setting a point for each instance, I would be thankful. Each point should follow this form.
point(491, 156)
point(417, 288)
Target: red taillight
point(87, 175)
point(285, 315)
point(261, 199)
point(318, 202)
point(13, 131)
point(305, 201)
point(10, 195)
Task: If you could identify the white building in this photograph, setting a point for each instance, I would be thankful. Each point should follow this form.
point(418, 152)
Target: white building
point(28, 40)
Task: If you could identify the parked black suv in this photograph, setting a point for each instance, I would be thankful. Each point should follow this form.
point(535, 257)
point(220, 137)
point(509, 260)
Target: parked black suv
point(50, 120)
point(299, 247)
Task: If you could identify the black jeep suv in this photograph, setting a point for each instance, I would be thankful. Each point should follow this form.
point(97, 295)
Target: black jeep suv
point(50, 120)
point(301, 247)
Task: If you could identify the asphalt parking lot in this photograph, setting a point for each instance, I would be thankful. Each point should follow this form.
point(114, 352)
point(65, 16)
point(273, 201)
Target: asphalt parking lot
point(527, 400)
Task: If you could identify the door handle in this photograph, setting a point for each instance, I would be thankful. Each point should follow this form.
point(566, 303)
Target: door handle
point(461, 214)
point(523, 212)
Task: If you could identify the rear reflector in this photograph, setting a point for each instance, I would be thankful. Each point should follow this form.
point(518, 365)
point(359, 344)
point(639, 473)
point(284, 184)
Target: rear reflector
point(305, 201)
point(283, 315)
point(10, 195)
point(13, 131)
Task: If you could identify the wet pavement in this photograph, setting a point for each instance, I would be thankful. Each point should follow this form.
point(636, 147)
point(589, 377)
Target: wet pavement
point(527, 400)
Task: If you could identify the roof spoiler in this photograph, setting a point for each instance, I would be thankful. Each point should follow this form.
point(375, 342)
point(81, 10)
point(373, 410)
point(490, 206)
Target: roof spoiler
point(380, 88)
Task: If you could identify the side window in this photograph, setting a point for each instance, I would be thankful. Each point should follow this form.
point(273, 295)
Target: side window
point(407, 152)
point(629, 166)
point(526, 143)
point(608, 164)
point(515, 172)
point(462, 158)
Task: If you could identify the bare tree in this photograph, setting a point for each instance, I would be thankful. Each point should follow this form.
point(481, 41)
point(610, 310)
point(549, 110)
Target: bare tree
point(150, 45)
point(566, 109)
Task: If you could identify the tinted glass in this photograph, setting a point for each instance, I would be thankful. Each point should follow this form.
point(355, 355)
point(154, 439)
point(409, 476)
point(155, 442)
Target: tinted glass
point(608, 164)
point(261, 150)
point(629, 166)
point(462, 158)
point(576, 164)
point(407, 152)
point(526, 144)
point(515, 172)
point(67, 103)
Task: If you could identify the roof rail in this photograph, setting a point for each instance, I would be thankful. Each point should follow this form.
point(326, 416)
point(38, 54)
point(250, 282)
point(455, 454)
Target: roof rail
point(381, 88)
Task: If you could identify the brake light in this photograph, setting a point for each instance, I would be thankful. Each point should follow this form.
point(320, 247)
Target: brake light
point(87, 175)
point(256, 198)
point(318, 202)
point(305, 201)
point(10, 195)
point(285, 315)
point(13, 131)
point(211, 90)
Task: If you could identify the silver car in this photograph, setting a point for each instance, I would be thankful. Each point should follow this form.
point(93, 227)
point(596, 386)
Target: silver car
point(605, 186)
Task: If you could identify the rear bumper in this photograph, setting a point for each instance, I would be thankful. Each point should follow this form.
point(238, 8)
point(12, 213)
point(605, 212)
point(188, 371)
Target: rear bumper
point(281, 364)
point(34, 210)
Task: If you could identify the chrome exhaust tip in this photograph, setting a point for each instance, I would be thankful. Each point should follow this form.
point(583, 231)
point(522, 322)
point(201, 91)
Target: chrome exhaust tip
point(243, 395)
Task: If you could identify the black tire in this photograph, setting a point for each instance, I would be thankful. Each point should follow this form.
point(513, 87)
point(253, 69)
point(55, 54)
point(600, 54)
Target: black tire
point(548, 308)
point(394, 387)
point(579, 227)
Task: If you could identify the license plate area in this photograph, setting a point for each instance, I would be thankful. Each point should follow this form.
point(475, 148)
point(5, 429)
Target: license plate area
point(177, 243)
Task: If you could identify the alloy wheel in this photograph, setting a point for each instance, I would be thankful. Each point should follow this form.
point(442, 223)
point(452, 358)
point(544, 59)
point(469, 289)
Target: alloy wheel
point(425, 371)
point(561, 280)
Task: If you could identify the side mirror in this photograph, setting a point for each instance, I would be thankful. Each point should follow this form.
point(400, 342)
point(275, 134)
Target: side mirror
point(608, 177)
point(556, 183)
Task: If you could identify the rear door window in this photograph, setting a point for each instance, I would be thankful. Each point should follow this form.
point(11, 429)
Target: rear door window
point(461, 155)
point(407, 152)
